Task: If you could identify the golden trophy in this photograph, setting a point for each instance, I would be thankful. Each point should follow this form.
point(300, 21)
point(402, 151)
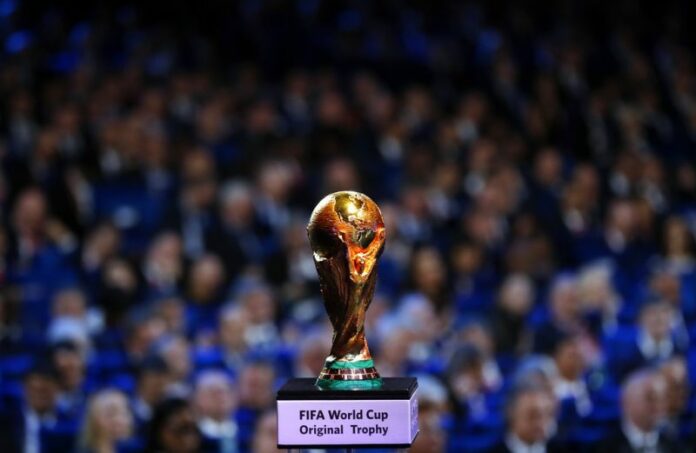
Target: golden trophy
point(346, 233)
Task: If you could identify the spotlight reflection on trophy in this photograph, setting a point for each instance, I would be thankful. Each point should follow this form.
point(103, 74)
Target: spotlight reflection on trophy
point(346, 233)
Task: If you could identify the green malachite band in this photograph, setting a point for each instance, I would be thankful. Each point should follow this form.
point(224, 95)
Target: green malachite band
point(367, 384)
point(363, 367)
point(348, 365)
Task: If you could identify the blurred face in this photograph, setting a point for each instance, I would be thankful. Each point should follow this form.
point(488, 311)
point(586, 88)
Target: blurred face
point(152, 386)
point(657, 321)
point(570, 360)
point(232, 327)
point(548, 166)
point(532, 417)
point(172, 313)
point(71, 367)
point(431, 437)
point(676, 237)
point(180, 433)
point(30, 213)
point(564, 302)
point(478, 336)
point(69, 303)
point(623, 217)
point(259, 306)
point(428, 271)
point(595, 290)
point(266, 434)
point(199, 180)
point(468, 382)
point(516, 296)
point(113, 417)
point(675, 375)
point(215, 398)
point(256, 387)
point(643, 402)
point(177, 357)
point(466, 259)
point(206, 278)
point(40, 393)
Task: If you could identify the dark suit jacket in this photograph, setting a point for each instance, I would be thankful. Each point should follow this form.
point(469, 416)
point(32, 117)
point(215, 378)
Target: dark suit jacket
point(618, 443)
point(58, 438)
point(552, 446)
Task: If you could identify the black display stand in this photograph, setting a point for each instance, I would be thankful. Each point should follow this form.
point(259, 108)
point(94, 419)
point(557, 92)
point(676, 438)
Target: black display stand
point(310, 417)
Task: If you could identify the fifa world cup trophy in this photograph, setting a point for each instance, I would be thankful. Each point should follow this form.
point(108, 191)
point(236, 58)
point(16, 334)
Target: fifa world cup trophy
point(346, 233)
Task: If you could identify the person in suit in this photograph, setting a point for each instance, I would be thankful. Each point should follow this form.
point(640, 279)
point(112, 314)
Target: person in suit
point(643, 397)
point(651, 344)
point(679, 413)
point(215, 401)
point(35, 424)
point(531, 421)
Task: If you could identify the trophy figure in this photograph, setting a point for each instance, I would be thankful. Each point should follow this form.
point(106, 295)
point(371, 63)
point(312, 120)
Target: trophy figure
point(346, 233)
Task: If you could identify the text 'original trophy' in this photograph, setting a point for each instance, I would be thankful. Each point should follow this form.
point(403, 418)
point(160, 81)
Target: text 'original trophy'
point(349, 404)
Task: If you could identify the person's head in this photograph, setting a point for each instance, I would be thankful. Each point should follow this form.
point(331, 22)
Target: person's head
point(477, 333)
point(206, 279)
point(275, 179)
point(667, 285)
point(531, 414)
point(152, 379)
point(643, 399)
point(516, 294)
point(108, 420)
point(173, 428)
point(172, 312)
point(568, 357)
point(259, 304)
point(256, 385)
point(428, 271)
point(41, 387)
point(176, 352)
point(30, 213)
point(676, 375)
point(340, 174)
point(163, 261)
point(465, 372)
point(595, 288)
point(69, 362)
point(214, 396)
point(237, 205)
point(199, 179)
point(141, 331)
point(69, 302)
point(314, 347)
point(678, 241)
point(432, 406)
point(548, 167)
point(233, 323)
point(467, 258)
point(101, 243)
point(656, 319)
point(266, 433)
point(563, 299)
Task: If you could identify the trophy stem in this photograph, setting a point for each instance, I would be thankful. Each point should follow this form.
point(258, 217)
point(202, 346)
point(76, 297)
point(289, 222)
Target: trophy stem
point(350, 365)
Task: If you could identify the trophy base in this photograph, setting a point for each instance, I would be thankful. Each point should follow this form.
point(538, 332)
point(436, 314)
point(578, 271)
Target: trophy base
point(311, 417)
point(358, 375)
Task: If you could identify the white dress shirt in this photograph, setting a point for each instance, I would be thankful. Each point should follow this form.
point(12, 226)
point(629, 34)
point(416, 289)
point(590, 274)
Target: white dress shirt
point(653, 349)
point(644, 442)
point(517, 445)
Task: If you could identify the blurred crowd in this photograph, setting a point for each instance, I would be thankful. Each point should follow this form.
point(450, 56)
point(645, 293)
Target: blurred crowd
point(537, 178)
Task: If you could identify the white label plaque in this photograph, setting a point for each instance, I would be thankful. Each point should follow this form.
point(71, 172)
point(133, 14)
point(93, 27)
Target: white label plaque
point(347, 422)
